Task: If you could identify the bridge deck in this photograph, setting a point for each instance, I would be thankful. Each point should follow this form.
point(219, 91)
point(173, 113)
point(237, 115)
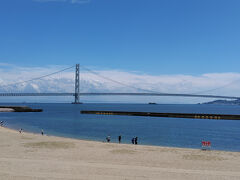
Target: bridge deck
point(118, 94)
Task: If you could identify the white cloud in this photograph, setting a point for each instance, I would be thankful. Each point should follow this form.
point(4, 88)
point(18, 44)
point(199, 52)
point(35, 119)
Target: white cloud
point(64, 81)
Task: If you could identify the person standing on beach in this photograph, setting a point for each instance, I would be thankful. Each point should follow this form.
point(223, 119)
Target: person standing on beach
point(119, 139)
point(42, 132)
point(108, 138)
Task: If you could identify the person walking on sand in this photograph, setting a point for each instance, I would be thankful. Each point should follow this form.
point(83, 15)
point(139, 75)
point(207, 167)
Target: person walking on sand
point(136, 140)
point(119, 139)
point(133, 140)
point(42, 132)
point(20, 130)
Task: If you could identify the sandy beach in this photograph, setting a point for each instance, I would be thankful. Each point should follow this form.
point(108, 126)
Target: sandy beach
point(33, 156)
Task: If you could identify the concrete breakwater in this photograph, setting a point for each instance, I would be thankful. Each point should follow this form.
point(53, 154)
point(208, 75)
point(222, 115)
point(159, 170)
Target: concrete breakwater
point(18, 109)
point(169, 115)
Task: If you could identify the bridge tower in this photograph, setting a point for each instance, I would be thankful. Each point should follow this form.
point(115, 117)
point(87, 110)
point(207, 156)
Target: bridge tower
point(77, 85)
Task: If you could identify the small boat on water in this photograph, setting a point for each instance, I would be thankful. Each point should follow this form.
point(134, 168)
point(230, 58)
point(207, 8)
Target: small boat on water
point(152, 103)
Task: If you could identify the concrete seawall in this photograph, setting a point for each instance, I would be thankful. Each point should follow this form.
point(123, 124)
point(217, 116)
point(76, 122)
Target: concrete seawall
point(169, 115)
point(18, 109)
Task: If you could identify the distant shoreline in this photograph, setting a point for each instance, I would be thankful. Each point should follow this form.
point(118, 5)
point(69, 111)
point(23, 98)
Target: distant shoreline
point(224, 102)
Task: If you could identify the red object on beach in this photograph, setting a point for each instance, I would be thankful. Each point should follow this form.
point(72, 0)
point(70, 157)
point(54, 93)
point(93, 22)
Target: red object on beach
point(206, 144)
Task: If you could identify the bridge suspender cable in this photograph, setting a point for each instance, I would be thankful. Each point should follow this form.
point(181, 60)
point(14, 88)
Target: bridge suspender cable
point(150, 91)
point(117, 82)
point(214, 89)
point(37, 78)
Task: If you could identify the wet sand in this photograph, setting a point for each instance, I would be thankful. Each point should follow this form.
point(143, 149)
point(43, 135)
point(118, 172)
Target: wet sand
point(33, 156)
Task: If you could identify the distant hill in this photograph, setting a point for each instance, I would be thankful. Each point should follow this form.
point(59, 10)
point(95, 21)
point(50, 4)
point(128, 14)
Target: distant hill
point(225, 102)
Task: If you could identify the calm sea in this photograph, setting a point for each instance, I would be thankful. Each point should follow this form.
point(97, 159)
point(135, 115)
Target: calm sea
point(65, 120)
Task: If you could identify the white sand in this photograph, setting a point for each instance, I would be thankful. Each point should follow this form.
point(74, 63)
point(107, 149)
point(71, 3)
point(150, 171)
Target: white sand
point(29, 156)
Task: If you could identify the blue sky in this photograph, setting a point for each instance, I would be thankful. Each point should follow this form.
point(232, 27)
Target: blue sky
point(190, 37)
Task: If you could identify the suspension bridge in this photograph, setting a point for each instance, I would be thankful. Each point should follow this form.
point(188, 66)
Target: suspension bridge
point(77, 94)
